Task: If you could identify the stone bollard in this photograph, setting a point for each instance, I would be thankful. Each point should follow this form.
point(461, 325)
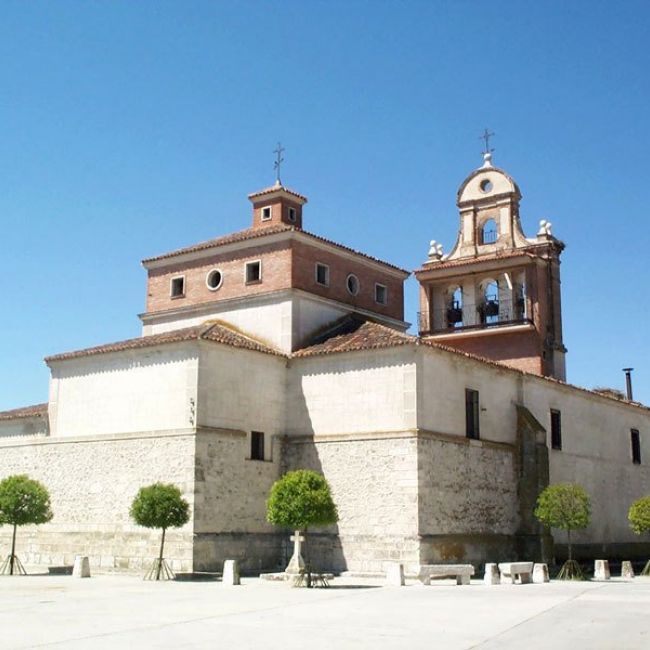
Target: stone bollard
point(81, 567)
point(395, 574)
point(627, 571)
point(540, 573)
point(492, 575)
point(230, 576)
point(601, 570)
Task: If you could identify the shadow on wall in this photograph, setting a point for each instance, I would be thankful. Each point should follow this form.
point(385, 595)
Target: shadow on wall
point(322, 546)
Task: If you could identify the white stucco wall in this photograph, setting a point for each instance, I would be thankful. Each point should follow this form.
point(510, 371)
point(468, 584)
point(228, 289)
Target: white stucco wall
point(267, 318)
point(358, 392)
point(147, 389)
point(241, 389)
point(442, 380)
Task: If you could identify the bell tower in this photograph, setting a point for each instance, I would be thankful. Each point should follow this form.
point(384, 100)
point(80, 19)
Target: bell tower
point(497, 293)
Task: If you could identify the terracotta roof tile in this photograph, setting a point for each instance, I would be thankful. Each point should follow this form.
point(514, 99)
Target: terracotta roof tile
point(241, 235)
point(277, 188)
point(351, 333)
point(209, 331)
point(254, 233)
point(37, 410)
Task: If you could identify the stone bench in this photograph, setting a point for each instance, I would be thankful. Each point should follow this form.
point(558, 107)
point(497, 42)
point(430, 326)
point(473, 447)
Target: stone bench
point(510, 571)
point(461, 572)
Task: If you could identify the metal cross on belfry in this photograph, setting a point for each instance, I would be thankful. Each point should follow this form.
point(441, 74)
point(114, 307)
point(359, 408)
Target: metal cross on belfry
point(278, 161)
point(486, 136)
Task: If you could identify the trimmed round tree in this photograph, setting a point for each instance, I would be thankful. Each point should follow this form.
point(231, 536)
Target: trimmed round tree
point(22, 501)
point(639, 517)
point(160, 505)
point(565, 506)
point(300, 500)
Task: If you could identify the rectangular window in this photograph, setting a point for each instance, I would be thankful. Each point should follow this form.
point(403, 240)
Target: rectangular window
point(381, 294)
point(253, 272)
point(472, 413)
point(292, 214)
point(636, 446)
point(177, 287)
point(323, 274)
point(556, 429)
point(257, 445)
point(266, 213)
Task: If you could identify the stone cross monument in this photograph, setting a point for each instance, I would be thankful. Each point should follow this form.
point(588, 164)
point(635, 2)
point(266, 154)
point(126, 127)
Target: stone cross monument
point(296, 563)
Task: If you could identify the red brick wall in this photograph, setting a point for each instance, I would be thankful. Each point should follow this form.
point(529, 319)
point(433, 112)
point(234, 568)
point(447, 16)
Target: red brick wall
point(280, 213)
point(284, 265)
point(522, 350)
point(276, 274)
point(305, 258)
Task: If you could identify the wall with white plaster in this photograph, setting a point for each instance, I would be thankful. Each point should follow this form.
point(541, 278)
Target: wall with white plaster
point(147, 389)
point(367, 391)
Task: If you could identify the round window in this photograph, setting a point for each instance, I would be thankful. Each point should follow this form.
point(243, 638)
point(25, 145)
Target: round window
point(486, 185)
point(352, 284)
point(214, 279)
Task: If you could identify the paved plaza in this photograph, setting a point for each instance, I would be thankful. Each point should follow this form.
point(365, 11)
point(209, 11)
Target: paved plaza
point(118, 611)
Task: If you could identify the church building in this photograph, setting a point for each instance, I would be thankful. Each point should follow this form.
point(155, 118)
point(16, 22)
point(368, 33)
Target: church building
point(274, 349)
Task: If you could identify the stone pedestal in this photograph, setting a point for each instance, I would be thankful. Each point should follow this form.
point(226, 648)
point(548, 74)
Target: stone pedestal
point(492, 575)
point(230, 573)
point(81, 567)
point(395, 574)
point(296, 563)
point(540, 573)
point(627, 571)
point(601, 570)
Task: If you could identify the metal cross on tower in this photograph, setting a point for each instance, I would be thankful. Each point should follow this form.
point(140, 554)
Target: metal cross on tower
point(486, 136)
point(278, 161)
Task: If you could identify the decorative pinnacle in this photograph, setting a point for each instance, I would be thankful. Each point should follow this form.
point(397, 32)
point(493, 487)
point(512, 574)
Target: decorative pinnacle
point(278, 162)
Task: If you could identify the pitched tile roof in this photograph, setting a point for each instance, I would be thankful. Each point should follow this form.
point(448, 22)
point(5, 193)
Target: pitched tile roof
point(352, 333)
point(241, 235)
point(277, 188)
point(263, 231)
point(217, 332)
point(37, 410)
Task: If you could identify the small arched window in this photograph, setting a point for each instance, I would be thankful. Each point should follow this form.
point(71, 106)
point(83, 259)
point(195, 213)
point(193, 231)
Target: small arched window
point(489, 232)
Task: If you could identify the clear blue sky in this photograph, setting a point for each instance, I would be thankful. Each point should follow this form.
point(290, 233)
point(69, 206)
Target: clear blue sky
point(132, 128)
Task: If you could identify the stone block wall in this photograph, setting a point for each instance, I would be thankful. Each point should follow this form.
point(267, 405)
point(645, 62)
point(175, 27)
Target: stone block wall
point(374, 485)
point(92, 482)
point(230, 504)
point(467, 507)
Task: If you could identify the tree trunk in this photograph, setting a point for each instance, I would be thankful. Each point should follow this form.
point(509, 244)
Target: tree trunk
point(160, 559)
point(307, 563)
point(13, 552)
point(568, 532)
